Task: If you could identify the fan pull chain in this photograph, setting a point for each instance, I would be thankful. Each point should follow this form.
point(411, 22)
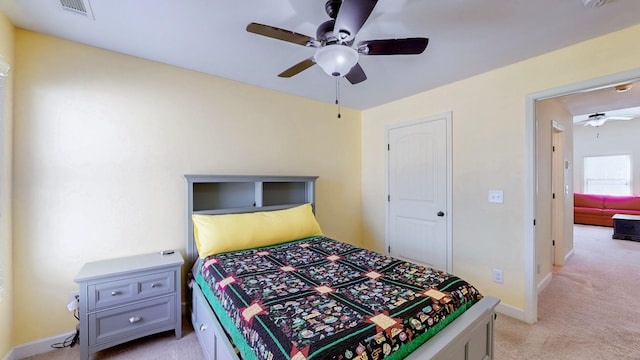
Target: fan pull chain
point(338, 96)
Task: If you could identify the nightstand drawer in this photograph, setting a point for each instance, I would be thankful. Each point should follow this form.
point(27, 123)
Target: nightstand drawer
point(132, 289)
point(108, 325)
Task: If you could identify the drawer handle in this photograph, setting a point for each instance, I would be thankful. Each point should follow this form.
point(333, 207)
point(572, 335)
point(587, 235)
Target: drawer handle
point(203, 327)
point(115, 293)
point(154, 285)
point(135, 319)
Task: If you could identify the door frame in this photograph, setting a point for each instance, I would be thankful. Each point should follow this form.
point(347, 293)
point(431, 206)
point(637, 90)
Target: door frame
point(447, 117)
point(558, 170)
point(531, 295)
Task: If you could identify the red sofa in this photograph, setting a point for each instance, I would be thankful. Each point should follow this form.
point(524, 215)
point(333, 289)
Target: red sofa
point(598, 209)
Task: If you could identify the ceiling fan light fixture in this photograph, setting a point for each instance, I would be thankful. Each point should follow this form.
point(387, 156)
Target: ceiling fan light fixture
point(336, 60)
point(596, 122)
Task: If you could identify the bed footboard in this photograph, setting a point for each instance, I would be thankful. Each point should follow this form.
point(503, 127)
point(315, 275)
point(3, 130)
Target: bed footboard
point(470, 336)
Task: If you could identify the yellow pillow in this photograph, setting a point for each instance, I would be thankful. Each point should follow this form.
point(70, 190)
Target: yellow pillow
point(216, 234)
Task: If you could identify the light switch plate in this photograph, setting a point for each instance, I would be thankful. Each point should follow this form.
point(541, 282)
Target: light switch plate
point(498, 276)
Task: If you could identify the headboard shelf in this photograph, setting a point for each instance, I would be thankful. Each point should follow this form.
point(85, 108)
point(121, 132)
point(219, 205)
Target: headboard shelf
point(246, 209)
point(228, 194)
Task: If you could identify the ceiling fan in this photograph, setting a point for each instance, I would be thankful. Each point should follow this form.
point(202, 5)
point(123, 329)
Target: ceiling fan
point(335, 52)
point(598, 119)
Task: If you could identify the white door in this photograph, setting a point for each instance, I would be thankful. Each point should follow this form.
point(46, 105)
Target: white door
point(418, 225)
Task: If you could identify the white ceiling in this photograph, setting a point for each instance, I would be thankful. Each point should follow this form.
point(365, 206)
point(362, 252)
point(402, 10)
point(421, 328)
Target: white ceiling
point(466, 37)
point(605, 99)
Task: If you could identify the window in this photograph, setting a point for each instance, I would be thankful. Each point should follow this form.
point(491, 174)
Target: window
point(607, 175)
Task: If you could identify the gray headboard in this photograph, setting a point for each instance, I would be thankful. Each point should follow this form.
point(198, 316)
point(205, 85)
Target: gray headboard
point(229, 194)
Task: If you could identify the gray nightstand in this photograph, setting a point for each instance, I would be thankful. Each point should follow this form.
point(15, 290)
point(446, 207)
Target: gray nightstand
point(127, 298)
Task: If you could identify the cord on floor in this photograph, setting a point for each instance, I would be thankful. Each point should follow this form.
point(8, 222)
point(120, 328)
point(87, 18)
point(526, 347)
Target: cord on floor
point(73, 339)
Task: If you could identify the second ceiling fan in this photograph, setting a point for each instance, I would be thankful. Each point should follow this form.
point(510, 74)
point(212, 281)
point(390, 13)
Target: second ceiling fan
point(334, 40)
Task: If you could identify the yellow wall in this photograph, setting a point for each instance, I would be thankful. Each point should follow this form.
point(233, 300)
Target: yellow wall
point(489, 152)
point(102, 141)
point(6, 298)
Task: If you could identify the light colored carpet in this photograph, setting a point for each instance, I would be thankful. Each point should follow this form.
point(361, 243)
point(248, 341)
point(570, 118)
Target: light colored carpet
point(590, 310)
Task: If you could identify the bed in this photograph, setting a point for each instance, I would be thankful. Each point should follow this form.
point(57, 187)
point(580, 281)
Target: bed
point(306, 296)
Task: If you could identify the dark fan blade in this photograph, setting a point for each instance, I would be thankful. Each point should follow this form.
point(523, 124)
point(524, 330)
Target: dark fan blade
point(410, 46)
point(351, 16)
point(356, 74)
point(280, 34)
point(297, 68)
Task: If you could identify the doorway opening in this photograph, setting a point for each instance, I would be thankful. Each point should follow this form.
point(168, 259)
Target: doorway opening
point(538, 170)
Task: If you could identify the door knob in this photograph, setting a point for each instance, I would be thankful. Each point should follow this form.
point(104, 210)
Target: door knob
point(440, 213)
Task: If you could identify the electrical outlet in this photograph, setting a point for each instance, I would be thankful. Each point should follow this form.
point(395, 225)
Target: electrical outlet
point(74, 301)
point(498, 276)
point(496, 196)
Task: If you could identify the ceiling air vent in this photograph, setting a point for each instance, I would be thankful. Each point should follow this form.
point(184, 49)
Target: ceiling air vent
point(593, 3)
point(81, 7)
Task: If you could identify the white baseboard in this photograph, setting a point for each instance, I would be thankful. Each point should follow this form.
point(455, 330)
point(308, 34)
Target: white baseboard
point(517, 313)
point(511, 311)
point(44, 345)
point(544, 283)
point(569, 256)
point(36, 347)
point(9, 356)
